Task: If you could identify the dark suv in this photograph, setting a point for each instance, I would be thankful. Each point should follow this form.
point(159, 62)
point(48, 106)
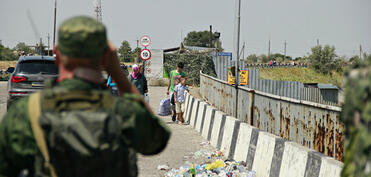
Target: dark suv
point(29, 76)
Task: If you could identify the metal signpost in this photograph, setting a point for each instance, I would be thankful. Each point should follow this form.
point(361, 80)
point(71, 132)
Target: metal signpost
point(145, 54)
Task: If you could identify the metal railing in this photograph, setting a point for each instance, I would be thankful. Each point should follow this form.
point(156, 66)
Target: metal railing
point(316, 126)
point(291, 89)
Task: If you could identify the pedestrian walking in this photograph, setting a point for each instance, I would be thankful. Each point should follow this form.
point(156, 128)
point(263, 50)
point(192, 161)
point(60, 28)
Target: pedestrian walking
point(138, 80)
point(179, 99)
point(174, 79)
point(75, 126)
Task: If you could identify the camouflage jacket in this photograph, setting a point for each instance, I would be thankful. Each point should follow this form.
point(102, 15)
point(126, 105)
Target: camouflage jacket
point(356, 115)
point(143, 132)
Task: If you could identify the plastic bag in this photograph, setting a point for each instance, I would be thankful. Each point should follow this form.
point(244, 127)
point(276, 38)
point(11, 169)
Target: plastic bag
point(217, 164)
point(165, 108)
point(146, 97)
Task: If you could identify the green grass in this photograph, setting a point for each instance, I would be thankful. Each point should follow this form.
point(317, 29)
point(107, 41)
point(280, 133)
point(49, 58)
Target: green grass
point(305, 75)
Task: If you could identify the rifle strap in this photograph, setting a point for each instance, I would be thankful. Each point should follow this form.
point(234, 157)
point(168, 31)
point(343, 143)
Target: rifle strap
point(34, 114)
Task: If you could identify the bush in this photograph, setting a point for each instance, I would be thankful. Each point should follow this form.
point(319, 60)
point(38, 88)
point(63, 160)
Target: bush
point(324, 59)
point(193, 64)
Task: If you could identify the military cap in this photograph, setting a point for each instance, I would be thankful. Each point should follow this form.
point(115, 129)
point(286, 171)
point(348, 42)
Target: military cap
point(82, 37)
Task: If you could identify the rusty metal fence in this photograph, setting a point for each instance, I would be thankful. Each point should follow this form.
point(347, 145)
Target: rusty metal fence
point(316, 126)
point(290, 89)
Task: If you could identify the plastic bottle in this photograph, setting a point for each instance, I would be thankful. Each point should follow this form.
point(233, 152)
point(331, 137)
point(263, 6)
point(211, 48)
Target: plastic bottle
point(192, 170)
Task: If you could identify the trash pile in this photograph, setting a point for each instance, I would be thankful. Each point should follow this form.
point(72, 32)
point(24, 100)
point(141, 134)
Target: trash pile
point(208, 163)
point(216, 168)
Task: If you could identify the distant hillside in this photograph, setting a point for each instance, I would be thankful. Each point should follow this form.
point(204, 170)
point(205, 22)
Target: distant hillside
point(305, 75)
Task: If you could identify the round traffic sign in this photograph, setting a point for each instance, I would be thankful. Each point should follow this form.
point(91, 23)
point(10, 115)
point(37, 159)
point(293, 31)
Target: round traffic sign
point(145, 54)
point(145, 41)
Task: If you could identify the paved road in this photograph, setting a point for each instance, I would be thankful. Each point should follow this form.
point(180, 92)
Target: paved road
point(184, 139)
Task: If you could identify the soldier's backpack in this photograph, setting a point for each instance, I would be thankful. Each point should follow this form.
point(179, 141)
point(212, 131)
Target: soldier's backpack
point(78, 134)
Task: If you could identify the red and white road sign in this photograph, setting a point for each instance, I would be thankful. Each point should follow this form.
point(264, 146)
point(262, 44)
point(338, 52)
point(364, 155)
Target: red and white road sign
point(145, 41)
point(145, 54)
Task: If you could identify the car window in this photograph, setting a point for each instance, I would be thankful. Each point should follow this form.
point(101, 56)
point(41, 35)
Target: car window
point(37, 66)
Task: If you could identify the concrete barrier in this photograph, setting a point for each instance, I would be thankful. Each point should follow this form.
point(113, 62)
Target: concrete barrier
point(218, 127)
point(293, 160)
point(208, 122)
point(263, 152)
point(243, 142)
point(200, 115)
point(189, 107)
point(330, 167)
point(194, 112)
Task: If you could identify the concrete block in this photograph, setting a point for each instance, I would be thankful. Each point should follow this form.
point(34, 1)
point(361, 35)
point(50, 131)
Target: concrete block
point(216, 128)
point(264, 154)
point(243, 142)
point(188, 104)
point(330, 167)
point(227, 136)
point(277, 157)
point(294, 160)
point(194, 112)
point(313, 165)
point(207, 121)
point(200, 116)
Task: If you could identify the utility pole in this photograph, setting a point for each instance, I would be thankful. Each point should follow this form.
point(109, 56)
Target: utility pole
point(317, 42)
point(48, 44)
point(243, 50)
point(211, 36)
point(285, 51)
point(269, 48)
point(236, 51)
point(137, 42)
point(181, 35)
point(98, 10)
point(55, 18)
point(360, 52)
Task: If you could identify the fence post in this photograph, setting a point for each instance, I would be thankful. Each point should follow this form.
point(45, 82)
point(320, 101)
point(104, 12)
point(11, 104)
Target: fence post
point(252, 102)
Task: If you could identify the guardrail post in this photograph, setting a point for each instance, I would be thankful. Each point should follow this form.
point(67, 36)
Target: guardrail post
point(252, 102)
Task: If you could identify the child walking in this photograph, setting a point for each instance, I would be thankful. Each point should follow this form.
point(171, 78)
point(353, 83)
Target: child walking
point(179, 99)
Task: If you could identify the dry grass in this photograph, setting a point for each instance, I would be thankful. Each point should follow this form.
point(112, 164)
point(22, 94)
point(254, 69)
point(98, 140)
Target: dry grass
point(305, 75)
point(6, 64)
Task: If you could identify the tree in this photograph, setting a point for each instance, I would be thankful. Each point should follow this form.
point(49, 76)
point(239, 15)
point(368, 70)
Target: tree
point(125, 52)
point(252, 58)
point(323, 59)
point(22, 47)
point(198, 38)
point(202, 39)
point(263, 58)
point(135, 54)
point(7, 54)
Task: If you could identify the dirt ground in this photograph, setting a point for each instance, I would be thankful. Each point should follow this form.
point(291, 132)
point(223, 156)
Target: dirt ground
point(6, 64)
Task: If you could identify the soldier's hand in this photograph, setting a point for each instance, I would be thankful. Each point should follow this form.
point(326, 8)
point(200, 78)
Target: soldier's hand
point(112, 65)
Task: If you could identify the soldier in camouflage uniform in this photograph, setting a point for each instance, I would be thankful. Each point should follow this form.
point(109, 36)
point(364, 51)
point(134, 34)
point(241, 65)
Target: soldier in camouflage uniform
point(87, 131)
point(356, 116)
